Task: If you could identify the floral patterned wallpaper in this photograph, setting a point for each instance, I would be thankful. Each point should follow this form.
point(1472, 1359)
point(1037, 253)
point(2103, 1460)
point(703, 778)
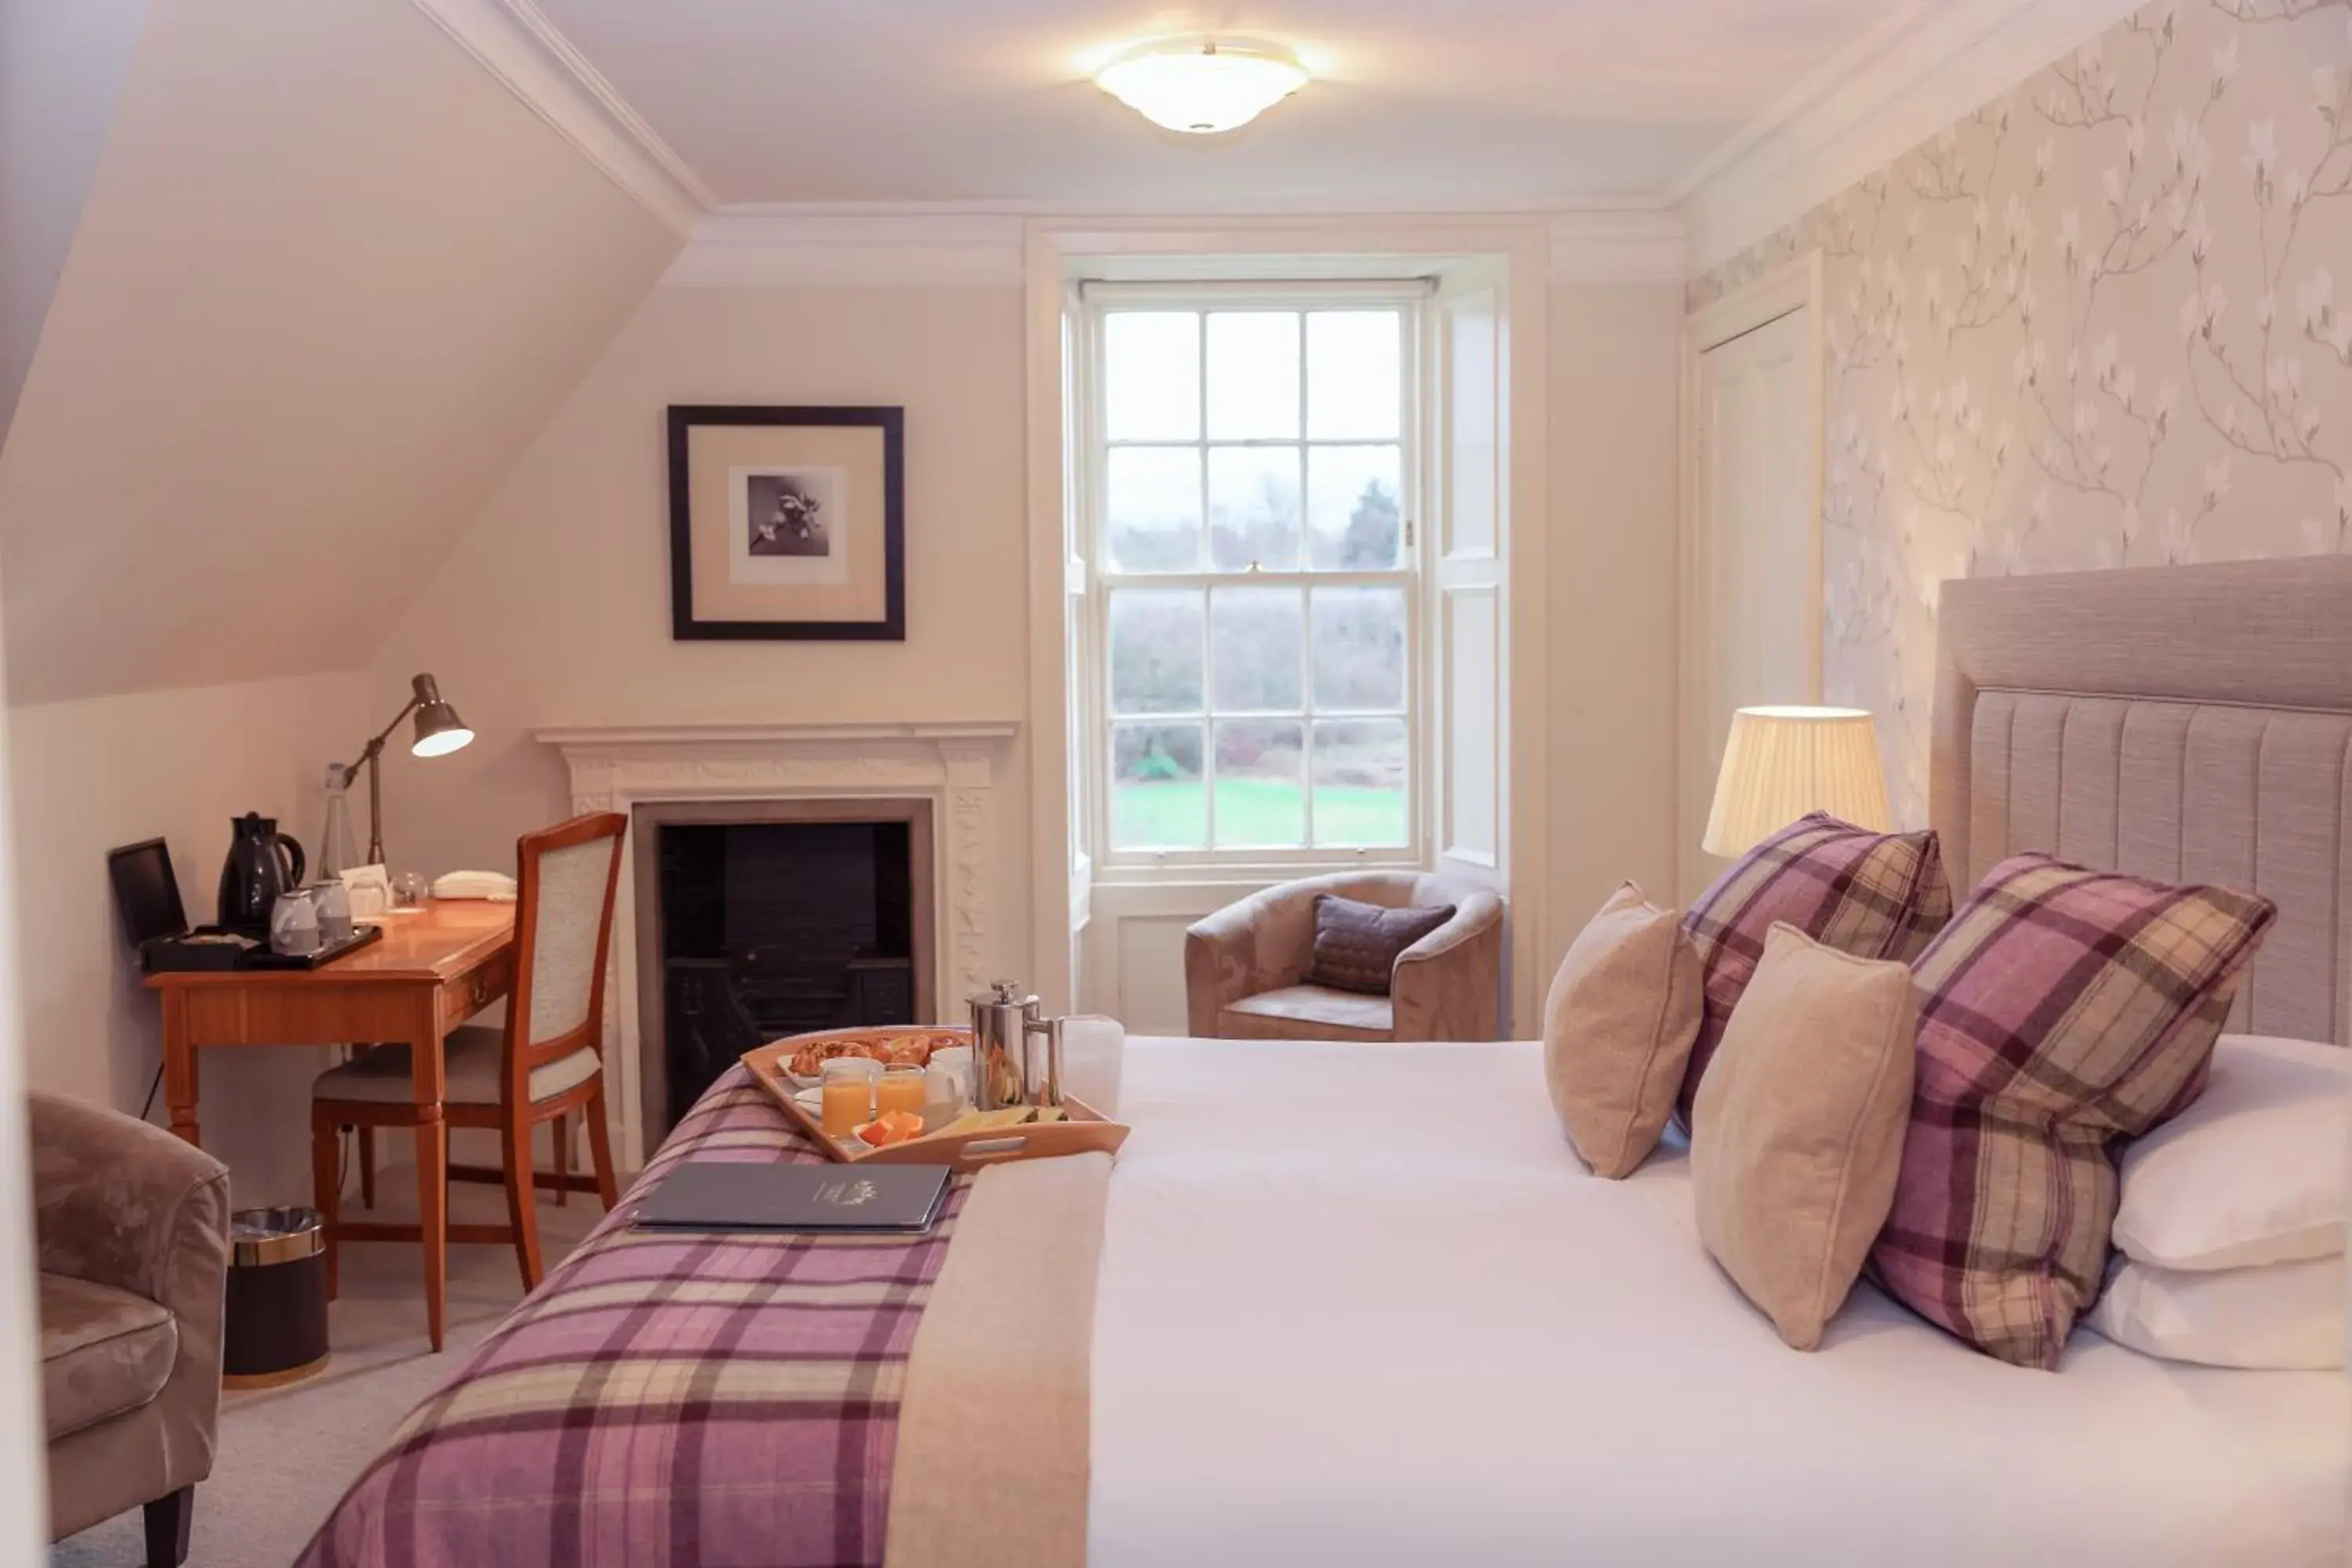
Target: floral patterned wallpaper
point(2107, 321)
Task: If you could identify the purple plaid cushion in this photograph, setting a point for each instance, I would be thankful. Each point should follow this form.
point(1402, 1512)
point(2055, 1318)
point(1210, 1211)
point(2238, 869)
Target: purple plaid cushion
point(2061, 1010)
point(1871, 895)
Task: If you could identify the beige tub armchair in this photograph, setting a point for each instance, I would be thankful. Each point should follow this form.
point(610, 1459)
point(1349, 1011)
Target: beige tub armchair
point(1245, 966)
point(133, 1234)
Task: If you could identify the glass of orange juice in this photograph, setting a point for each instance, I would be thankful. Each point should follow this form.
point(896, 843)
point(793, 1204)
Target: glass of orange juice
point(901, 1088)
point(847, 1094)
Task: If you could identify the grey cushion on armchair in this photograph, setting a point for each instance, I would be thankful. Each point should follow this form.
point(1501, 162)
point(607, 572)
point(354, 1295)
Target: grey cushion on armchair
point(1245, 966)
point(134, 1235)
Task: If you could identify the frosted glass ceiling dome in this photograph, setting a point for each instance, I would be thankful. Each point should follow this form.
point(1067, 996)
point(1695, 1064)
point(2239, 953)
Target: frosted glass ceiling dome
point(1201, 86)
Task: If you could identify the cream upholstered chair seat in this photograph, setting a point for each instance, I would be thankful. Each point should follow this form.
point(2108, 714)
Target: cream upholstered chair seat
point(1246, 966)
point(473, 1058)
point(104, 1350)
point(1316, 1012)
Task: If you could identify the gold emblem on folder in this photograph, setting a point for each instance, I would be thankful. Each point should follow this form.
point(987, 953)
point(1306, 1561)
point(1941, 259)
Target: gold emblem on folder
point(847, 1194)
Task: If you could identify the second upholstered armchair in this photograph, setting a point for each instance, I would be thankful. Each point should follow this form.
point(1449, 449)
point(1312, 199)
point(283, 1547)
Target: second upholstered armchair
point(1247, 967)
point(133, 1231)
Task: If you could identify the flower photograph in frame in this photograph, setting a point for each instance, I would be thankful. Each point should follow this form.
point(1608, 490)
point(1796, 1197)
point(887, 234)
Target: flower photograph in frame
point(787, 523)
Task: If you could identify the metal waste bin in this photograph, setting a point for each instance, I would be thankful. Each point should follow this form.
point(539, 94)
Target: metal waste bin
point(276, 1330)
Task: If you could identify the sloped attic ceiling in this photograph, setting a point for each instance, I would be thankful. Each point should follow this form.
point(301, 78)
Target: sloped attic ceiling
point(61, 70)
point(330, 279)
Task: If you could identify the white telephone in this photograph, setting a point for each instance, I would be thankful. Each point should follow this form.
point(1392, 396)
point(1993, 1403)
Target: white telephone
point(495, 885)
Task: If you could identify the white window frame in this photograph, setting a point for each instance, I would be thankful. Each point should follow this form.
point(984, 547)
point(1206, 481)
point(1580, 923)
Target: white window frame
point(1090, 688)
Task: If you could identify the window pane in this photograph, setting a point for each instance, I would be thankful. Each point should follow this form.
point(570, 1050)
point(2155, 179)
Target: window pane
point(1355, 519)
point(1158, 801)
point(1151, 375)
point(1153, 496)
point(1253, 508)
point(1155, 650)
point(1354, 381)
point(1359, 783)
point(1259, 636)
point(1261, 794)
point(1252, 375)
point(1359, 649)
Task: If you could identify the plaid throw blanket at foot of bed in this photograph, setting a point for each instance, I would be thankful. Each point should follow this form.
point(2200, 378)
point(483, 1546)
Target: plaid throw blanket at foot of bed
point(667, 1401)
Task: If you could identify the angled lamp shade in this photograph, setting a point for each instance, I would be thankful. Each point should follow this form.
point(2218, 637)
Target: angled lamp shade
point(1779, 763)
point(439, 730)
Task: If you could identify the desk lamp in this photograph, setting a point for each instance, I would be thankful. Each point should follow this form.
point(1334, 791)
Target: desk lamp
point(439, 731)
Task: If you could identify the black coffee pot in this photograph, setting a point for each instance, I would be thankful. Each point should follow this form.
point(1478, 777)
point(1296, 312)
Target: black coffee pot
point(262, 863)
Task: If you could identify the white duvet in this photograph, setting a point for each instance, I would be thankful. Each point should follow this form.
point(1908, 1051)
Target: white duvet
point(1362, 1305)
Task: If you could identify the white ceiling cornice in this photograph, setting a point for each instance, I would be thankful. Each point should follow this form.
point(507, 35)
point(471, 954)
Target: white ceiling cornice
point(788, 247)
point(1632, 245)
point(515, 42)
point(1930, 64)
point(981, 245)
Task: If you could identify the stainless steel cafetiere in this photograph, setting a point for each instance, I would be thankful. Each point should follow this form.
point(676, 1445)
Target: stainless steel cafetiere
point(1002, 1018)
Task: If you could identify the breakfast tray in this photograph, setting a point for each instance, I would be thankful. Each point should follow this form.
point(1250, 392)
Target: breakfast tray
point(1083, 1131)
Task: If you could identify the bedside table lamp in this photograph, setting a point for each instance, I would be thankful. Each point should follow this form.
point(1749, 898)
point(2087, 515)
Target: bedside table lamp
point(439, 731)
point(1778, 763)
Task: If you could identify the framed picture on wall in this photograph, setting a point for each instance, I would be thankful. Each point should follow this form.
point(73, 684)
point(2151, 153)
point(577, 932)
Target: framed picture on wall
point(787, 523)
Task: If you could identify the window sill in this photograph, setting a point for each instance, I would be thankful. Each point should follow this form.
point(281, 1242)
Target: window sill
point(1198, 869)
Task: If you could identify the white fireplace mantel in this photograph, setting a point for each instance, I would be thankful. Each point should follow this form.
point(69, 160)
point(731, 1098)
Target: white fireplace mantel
point(616, 767)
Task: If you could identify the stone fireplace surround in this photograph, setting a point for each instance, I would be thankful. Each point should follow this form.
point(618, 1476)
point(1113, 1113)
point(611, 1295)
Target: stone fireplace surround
point(955, 765)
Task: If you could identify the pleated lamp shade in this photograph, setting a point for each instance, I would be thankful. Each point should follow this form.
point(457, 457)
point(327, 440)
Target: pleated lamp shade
point(1781, 763)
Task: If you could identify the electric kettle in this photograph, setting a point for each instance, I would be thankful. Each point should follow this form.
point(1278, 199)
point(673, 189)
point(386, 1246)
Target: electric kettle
point(262, 863)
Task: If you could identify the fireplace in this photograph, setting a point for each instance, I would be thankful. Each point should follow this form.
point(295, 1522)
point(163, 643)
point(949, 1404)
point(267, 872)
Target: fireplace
point(787, 771)
point(771, 919)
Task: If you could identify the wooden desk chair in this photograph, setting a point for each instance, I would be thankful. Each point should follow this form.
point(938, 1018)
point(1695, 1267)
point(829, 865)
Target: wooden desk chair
point(544, 1065)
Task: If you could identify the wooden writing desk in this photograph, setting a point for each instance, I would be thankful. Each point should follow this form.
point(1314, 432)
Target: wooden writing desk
point(430, 972)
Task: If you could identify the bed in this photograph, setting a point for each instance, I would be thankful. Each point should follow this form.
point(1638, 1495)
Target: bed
point(1405, 1329)
point(1361, 1304)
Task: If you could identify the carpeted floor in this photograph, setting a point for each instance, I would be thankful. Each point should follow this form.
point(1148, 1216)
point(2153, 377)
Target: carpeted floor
point(287, 1454)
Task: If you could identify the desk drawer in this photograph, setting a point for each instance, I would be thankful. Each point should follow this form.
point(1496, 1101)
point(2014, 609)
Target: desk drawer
point(469, 993)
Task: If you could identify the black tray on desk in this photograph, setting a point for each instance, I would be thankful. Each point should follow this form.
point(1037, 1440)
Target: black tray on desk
point(263, 958)
point(166, 955)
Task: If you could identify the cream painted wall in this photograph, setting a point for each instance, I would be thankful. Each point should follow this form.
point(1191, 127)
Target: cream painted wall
point(93, 775)
point(329, 279)
point(1615, 376)
point(555, 608)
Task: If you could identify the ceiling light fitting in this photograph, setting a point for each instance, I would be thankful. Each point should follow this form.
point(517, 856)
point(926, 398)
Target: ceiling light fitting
point(1201, 86)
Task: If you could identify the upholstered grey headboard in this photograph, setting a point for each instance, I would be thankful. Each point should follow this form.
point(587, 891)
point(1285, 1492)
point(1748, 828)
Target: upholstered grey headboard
point(2192, 723)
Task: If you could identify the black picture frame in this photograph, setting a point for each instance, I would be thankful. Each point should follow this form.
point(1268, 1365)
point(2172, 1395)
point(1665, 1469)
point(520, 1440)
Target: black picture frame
point(686, 626)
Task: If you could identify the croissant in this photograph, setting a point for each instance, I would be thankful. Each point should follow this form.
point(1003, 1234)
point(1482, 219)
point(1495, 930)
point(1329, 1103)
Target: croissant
point(810, 1059)
point(894, 1050)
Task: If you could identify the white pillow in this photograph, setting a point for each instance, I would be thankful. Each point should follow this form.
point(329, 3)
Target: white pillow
point(2280, 1316)
point(2258, 1171)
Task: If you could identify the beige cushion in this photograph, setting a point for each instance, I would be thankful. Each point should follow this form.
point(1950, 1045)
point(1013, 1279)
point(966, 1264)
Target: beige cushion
point(1797, 1134)
point(103, 1350)
point(1309, 1013)
point(471, 1067)
point(1618, 1025)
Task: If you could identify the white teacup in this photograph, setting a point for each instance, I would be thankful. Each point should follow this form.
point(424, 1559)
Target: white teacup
point(294, 924)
